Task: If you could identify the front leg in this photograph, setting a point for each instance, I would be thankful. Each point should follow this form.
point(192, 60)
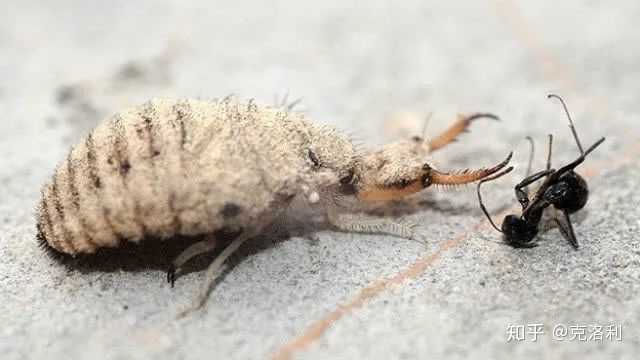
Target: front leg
point(521, 192)
point(362, 223)
point(566, 228)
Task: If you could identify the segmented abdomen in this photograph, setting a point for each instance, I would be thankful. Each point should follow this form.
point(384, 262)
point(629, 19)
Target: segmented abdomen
point(121, 182)
point(140, 173)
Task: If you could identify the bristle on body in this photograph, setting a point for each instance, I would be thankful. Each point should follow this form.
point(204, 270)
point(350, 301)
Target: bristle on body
point(44, 245)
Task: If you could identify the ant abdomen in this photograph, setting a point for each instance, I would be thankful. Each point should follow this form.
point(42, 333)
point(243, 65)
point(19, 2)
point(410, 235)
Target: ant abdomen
point(570, 193)
point(518, 232)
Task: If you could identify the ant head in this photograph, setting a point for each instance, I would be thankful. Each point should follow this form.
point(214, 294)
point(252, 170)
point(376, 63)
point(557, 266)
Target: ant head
point(399, 169)
point(518, 232)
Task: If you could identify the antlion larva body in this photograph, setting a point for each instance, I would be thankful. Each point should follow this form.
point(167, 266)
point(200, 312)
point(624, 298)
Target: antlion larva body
point(182, 168)
point(225, 170)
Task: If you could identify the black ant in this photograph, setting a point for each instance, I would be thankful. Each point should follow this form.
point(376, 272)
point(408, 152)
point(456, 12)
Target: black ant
point(563, 188)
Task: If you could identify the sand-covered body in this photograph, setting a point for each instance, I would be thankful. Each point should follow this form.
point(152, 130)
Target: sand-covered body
point(185, 167)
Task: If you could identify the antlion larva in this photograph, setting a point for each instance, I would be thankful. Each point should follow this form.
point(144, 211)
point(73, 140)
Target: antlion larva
point(224, 169)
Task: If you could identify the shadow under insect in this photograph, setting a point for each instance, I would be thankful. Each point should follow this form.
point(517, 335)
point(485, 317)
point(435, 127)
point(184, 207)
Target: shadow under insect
point(153, 253)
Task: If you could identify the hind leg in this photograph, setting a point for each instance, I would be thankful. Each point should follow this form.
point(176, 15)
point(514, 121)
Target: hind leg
point(201, 247)
point(213, 271)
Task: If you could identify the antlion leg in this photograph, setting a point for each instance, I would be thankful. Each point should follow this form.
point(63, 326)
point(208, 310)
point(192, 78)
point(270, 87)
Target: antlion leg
point(201, 247)
point(213, 272)
point(362, 223)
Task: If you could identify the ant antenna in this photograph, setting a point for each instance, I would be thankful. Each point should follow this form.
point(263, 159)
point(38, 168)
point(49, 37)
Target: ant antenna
point(573, 129)
point(484, 209)
point(529, 165)
point(549, 151)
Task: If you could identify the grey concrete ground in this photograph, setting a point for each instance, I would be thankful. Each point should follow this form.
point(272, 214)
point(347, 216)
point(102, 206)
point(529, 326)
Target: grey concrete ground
point(65, 64)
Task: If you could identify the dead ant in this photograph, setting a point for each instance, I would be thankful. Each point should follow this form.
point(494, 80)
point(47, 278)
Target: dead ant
point(566, 190)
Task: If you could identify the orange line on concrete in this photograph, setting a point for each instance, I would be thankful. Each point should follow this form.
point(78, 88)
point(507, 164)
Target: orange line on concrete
point(318, 328)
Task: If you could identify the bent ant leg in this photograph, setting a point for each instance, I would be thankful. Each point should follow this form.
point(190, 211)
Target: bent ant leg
point(594, 146)
point(573, 128)
point(490, 178)
point(549, 151)
point(532, 151)
point(572, 165)
point(531, 156)
point(521, 194)
point(583, 154)
point(566, 228)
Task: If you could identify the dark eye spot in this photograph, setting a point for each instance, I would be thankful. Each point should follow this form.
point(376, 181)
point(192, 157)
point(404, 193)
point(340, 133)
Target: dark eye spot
point(125, 167)
point(426, 180)
point(417, 139)
point(230, 210)
point(314, 158)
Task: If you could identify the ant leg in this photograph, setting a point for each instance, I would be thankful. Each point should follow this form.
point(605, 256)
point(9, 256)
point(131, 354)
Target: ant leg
point(549, 151)
point(567, 229)
point(201, 247)
point(484, 209)
point(460, 126)
point(531, 155)
point(573, 128)
point(521, 194)
point(580, 159)
point(532, 150)
point(594, 146)
point(583, 153)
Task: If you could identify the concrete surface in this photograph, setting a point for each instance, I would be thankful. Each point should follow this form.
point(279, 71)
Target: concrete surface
point(65, 64)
